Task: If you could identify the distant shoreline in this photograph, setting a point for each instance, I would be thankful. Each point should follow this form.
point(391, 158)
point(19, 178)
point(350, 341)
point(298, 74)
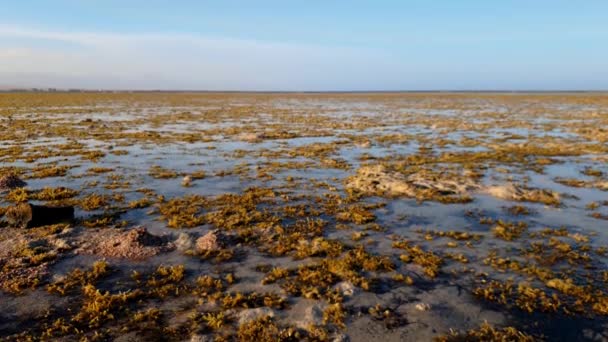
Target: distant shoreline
point(120, 91)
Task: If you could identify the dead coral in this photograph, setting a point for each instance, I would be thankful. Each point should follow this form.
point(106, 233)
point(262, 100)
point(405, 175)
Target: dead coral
point(423, 185)
point(375, 180)
point(514, 192)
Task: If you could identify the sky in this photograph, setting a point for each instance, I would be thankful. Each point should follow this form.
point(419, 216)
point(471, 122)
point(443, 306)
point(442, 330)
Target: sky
point(298, 45)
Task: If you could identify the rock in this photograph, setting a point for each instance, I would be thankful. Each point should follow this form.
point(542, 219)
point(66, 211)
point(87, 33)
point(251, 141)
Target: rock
point(184, 242)
point(11, 181)
point(249, 315)
point(212, 241)
point(346, 288)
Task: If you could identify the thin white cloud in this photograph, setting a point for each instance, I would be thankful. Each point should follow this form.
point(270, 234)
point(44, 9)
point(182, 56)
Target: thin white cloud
point(153, 61)
point(32, 57)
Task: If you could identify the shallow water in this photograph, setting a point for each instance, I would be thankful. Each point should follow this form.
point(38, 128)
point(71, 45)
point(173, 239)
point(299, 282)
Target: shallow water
point(397, 127)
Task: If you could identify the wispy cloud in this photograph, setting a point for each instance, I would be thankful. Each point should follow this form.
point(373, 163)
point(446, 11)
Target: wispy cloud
point(152, 61)
point(33, 57)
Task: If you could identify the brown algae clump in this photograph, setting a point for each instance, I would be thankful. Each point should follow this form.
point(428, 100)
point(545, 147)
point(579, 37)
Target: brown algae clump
point(486, 332)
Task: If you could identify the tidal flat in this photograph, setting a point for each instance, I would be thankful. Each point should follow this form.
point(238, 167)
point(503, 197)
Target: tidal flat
point(288, 217)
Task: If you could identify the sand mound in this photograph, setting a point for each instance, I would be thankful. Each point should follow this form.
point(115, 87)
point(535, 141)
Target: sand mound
point(378, 180)
point(514, 192)
point(11, 181)
point(134, 244)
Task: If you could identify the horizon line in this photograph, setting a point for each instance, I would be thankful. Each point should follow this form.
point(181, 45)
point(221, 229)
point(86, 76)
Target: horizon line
point(101, 90)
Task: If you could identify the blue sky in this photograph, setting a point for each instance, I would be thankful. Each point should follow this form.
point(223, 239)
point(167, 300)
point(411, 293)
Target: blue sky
point(305, 45)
